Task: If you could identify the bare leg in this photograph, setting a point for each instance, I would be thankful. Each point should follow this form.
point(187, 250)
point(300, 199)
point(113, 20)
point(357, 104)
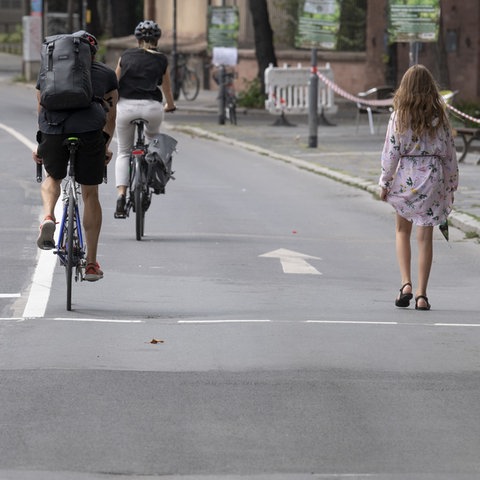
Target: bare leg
point(92, 220)
point(425, 258)
point(50, 191)
point(404, 253)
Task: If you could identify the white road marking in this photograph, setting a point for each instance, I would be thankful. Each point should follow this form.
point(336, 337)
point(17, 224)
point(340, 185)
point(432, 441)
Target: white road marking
point(293, 262)
point(355, 322)
point(22, 138)
point(10, 295)
point(456, 324)
point(43, 275)
point(99, 320)
point(222, 321)
point(41, 285)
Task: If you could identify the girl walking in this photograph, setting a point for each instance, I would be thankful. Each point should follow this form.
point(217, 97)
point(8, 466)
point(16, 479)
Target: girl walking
point(419, 175)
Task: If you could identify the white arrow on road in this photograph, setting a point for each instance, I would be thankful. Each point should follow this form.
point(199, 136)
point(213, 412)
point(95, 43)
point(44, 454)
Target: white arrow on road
point(293, 262)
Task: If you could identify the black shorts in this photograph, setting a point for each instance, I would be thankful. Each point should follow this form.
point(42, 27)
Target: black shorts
point(90, 160)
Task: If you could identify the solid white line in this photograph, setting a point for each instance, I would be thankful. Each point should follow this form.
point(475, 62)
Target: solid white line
point(456, 324)
point(41, 285)
point(43, 275)
point(10, 295)
point(351, 322)
point(42, 278)
point(224, 321)
point(98, 320)
point(22, 138)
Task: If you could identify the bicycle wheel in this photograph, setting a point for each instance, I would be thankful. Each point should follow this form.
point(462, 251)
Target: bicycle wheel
point(139, 212)
point(69, 247)
point(190, 85)
point(138, 192)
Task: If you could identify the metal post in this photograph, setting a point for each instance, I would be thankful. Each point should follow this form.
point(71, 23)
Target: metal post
point(413, 53)
point(84, 14)
point(313, 103)
point(175, 87)
point(221, 93)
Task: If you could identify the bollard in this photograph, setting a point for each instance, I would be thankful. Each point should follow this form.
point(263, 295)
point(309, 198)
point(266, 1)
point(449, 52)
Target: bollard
point(313, 103)
point(221, 96)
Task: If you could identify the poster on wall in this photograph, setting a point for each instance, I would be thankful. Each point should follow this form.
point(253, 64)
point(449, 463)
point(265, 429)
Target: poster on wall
point(223, 26)
point(414, 20)
point(318, 24)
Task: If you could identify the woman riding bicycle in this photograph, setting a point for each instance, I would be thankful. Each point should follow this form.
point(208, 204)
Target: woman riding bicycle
point(140, 72)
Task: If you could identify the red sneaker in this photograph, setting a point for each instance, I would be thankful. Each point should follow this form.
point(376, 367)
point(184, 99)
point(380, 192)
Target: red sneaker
point(93, 272)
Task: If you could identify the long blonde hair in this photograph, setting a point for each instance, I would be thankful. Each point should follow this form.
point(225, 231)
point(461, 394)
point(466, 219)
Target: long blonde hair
point(418, 103)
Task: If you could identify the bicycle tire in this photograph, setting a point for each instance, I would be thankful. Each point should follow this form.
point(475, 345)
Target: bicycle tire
point(69, 246)
point(232, 112)
point(138, 192)
point(190, 85)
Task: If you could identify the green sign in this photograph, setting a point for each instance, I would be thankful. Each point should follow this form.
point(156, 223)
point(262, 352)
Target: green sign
point(223, 25)
point(318, 24)
point(414, 20)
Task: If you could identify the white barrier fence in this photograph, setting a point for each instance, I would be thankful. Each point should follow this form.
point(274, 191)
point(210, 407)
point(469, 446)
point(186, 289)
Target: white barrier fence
point(287, 90)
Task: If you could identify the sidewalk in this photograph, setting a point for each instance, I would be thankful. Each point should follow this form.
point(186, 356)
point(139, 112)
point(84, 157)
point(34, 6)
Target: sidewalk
point(342, 153)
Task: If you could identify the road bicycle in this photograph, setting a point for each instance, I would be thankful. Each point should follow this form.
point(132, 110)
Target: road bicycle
point(227, 98)
point(70, 246)
point(184, 79)
point(148, 173)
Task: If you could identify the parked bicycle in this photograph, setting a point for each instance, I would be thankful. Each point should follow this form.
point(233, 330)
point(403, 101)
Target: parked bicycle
point(227, 98)
point(70, 246)
point(150, 170)
point(184, 79)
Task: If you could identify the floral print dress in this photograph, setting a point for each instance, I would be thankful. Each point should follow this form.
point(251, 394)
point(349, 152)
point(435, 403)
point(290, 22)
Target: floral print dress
point(420, 174)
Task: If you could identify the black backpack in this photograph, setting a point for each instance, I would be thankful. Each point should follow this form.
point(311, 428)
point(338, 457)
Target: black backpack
point(65, 73)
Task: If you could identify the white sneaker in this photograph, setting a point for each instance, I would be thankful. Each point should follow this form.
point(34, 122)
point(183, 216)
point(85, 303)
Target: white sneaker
point(45, 239)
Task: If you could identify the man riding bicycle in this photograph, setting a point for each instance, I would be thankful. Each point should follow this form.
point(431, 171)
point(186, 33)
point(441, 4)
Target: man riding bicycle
point(94, 126)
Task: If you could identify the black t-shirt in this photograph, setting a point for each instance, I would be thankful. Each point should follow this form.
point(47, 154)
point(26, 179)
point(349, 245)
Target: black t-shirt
point(142, 72)
point(82, 120)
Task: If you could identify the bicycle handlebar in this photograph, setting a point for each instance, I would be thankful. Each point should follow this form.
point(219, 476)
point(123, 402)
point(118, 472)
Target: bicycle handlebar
point(39, 173)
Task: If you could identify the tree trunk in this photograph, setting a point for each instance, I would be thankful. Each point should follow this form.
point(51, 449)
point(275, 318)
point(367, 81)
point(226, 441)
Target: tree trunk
point(264, 49)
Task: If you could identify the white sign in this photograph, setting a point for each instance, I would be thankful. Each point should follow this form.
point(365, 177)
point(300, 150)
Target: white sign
point(225, 56)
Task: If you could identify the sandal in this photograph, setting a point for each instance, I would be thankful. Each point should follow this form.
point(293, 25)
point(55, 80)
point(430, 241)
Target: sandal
point(422, 297)
point(404, 299)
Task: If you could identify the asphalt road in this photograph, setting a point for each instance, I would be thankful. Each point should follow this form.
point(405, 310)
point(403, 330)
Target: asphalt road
point(268, 364)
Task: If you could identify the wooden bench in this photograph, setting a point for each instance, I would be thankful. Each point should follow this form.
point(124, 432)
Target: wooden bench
point(468, 135)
